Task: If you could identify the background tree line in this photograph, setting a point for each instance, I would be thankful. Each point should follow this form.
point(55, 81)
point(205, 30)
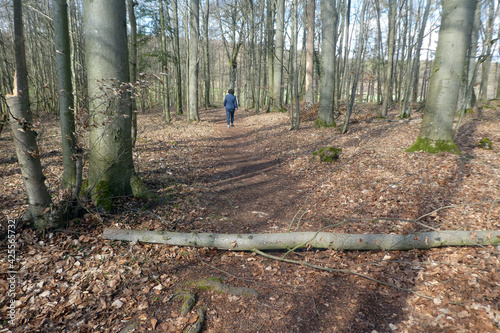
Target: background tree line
point(384, 47)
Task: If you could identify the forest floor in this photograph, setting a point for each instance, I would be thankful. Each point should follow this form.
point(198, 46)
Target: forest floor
point(259, 177)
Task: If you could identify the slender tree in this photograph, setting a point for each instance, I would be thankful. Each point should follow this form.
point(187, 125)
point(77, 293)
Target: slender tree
point(163, 58)
point(206, 54)
point(311, 9)
point(487, 50)
point(111, 170)
point(177, 58)
point(436, 131)
point(194, 33)
point(278, 54)
point(133, 63)
point(21, 122)
point(391, 40)
point(66, 102)
point(357, 66)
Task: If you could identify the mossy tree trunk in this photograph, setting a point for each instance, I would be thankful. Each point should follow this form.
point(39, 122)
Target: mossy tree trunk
point(436, 131)
point(327, 80)
point(111, 169)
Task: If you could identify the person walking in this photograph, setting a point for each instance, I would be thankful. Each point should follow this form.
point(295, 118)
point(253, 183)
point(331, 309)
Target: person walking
point(231, 104)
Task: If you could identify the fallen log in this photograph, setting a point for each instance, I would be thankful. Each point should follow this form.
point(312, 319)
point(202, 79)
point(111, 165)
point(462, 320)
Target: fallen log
point(292, 240)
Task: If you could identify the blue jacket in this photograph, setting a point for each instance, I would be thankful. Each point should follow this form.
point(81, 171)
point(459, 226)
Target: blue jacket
point(230, 102)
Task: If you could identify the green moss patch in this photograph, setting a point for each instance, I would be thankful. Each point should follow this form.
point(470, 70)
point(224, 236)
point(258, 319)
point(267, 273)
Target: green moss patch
point(434, 146)
point(327, 154)
point(485, 143)
point(320, 123)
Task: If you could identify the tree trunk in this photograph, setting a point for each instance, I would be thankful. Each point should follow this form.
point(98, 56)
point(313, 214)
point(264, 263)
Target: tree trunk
point(278, 55)
point(111, 169)
point(194, 26)
point(21, 122)
point(329, 34)
point(270, 52)
point(357, 67)
point(133, 65)
point(177, 59)
point(412, 86)
point(390, 59)
point(436, 131)
point(311, 9)
point(323, 240)
point(163, 59)
point(66, 102)
point(294, 68)
point(206, 55)
point(486, 61)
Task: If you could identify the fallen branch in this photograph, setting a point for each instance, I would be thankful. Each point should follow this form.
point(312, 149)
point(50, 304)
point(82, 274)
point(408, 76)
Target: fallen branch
point(337, 270)
point(284, 241)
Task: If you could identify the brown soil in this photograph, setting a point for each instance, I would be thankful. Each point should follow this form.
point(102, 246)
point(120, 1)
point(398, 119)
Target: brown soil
point(258, 177)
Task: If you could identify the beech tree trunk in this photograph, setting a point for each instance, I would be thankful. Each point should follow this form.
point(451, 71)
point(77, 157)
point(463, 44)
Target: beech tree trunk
point(327, 83)
point(324, 240)
point(436, 131)
point(111, 169)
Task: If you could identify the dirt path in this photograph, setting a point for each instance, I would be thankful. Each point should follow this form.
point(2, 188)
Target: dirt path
point(249, 186)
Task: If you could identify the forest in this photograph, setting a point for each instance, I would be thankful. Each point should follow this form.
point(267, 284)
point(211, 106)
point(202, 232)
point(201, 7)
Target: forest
point(358, 190)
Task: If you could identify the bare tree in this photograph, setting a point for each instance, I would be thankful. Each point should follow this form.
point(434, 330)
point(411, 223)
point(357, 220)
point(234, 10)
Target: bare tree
point(66, 103)
point(23, 130)
point(194, 33)
point(388, 81)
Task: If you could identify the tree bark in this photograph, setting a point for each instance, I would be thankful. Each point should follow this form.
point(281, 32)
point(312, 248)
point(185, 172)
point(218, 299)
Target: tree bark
point(66, 102)
point(278, 55)
point(177, 59)
point(324, 240)
point(133, 65)
point(21, 122)
point(436, 131)
point(327, 86)
point(111, 169)
point(390, 59)
point(206, 54)
point(311, 9)
point(163, 59)
point(194, 26)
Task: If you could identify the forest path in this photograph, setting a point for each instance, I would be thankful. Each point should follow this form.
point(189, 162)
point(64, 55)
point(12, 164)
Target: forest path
point(248, 185)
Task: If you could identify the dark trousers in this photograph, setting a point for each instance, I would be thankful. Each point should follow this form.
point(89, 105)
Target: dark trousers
point(230, 116)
